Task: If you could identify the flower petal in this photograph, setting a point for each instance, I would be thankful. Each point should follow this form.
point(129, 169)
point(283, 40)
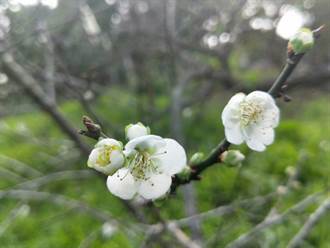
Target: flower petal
point(267, 135)
point(147, 142)
point(263, 98)
point(108, 142)
point(93, 157)
point(236, 99)
point(255, 145)
point(172, 158)
point(156, 186)
point(234, 134)
point(116, 161)
point(136, 130)
point(230, 114)
point(122, 184)
point(257, 137)
point(271, 117)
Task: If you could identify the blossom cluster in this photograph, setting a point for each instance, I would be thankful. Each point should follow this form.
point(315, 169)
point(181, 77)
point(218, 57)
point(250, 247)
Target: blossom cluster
point(143, 167)
point(146, 164)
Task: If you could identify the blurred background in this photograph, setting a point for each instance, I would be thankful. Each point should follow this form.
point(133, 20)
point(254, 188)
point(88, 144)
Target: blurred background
point(172, 65)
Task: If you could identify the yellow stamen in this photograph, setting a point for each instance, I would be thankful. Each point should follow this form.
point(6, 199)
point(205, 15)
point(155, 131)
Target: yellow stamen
point(250, 112)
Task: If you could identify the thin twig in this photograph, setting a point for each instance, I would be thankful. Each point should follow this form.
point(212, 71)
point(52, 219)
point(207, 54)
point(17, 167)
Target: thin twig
point(227, 209)
point(56, 176)
point(11, 217)
point(273, 220)
point(309, 224)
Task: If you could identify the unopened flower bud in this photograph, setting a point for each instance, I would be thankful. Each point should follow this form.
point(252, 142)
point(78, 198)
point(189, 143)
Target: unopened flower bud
point(133, 131)
point(232, 157)
point(196, 158)
point(302, 41)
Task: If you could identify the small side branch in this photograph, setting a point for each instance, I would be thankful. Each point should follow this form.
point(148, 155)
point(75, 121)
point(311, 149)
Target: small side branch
point(309, 224)
point(272, 220)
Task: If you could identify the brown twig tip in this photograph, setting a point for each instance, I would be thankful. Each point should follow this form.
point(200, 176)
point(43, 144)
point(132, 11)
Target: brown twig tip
point(287, 98)
point(90, 125)
point(317, 31)
point(93, 130)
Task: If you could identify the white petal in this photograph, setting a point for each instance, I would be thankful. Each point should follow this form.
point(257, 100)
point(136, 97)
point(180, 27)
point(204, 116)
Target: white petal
point(256, 145)
point(234, 134)
point(136, 130)
point(271, 117)
point(147, 142)
point(230, 114)
point(108, 142)
point(117, 158)
point(156, 186)
point(267, 136)
point(256, 137)
point(122, 184)
point(172, 158)
point(116, 161)
point(261, 97)
point(93, 157)
point(236, 99)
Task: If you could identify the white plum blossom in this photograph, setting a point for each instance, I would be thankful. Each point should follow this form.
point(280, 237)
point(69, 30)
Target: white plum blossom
point(133, 131)
point(107, 156)
point(251, 118)
point(151, 161)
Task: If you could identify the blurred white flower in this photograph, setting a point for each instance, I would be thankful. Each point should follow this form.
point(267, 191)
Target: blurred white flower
point(108, 230)
point(133, 131)
point(151, 161)
point(252, 119)
point(24, 210)
point(107, 156)
point(291, 21)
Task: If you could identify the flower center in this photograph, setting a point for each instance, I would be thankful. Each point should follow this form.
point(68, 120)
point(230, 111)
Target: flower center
point(142, 166)
point(250, 112)
point(104, 156)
